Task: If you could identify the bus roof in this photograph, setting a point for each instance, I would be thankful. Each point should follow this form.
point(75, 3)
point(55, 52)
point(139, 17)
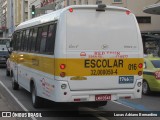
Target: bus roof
point(56, 14)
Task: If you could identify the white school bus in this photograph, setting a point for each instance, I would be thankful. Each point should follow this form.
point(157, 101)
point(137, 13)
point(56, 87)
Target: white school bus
point(86, 54)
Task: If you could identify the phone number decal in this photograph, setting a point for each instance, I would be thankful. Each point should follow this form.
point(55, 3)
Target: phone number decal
point(104, 72)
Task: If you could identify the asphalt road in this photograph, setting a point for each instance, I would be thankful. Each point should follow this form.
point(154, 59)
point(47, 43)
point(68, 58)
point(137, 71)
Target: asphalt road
point(21, 101)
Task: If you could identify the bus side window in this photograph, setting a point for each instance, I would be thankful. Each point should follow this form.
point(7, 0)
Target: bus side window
point(14, 41)
point(26, 40)
point(23, 40)
point(44, 35)
point(33, 43)
point(38, 40)
point(30, 40)
point(18, 41)
point(51, 39)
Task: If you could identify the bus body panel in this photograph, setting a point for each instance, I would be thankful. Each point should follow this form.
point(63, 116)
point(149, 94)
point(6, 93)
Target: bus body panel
point(102, 50)
point(98, 59)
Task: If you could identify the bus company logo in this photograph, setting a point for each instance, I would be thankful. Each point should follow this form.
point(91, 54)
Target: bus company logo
point(6, 114)
point(45, 85)
point(82, 54)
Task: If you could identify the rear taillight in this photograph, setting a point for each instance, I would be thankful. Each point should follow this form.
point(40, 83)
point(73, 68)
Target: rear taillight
point(62, 66)
point(157, 75)
point(140, 65)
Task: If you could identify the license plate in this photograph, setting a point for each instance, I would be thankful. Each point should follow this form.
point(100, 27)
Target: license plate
point(103, 97)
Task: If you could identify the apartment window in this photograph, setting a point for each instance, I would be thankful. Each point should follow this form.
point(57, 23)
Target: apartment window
point(144, 19)
point(74, 3)
point(117, 1)
point(80, 2)
point(86, 2)
point(98, 1)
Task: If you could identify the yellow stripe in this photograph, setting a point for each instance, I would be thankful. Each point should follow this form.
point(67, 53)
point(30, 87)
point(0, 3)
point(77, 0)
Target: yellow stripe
point(80, 66)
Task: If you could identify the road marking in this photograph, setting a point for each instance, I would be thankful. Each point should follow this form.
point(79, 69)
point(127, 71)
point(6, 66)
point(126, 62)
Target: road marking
point(133, 105)
point(123, 104)
point(25, 109)
point(95, 115)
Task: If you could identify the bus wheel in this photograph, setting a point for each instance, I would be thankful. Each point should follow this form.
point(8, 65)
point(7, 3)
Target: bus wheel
point(15, 85)
point(145, 88)
point(36, 101)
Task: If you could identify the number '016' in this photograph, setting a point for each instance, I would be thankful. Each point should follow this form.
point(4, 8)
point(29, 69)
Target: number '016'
point(132, 67)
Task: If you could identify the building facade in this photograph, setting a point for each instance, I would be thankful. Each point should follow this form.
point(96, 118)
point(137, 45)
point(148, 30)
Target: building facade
point(20, 11)
point(147, 22)
point(4, 17)
point(13, 12)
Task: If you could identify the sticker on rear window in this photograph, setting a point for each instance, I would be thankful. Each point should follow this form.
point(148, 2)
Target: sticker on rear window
point(126, 79)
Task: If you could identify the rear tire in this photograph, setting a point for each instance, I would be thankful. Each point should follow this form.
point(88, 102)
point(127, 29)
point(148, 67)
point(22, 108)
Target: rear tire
point(15, 85)
point(36, 101)
point(145, 88)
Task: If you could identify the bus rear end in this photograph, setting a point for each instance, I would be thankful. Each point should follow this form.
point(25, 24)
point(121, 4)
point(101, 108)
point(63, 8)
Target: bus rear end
point(104, 55)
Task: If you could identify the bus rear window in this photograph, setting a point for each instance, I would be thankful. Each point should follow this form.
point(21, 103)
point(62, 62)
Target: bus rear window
point(90, 30)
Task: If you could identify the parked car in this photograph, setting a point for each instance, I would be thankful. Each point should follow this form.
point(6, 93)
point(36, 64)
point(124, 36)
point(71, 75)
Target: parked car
point(151, 75)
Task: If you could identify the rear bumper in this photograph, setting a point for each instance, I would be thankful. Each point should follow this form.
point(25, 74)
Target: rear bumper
point(65, 95)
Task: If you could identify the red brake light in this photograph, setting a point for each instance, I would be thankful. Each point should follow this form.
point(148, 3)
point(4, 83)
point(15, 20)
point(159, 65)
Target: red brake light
point(62, 66)
point(140, 65)
point(70, 9)
point(128, 12)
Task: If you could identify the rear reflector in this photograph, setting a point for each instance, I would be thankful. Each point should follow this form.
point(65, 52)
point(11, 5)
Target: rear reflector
point(77, 100)
point(127, 97)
